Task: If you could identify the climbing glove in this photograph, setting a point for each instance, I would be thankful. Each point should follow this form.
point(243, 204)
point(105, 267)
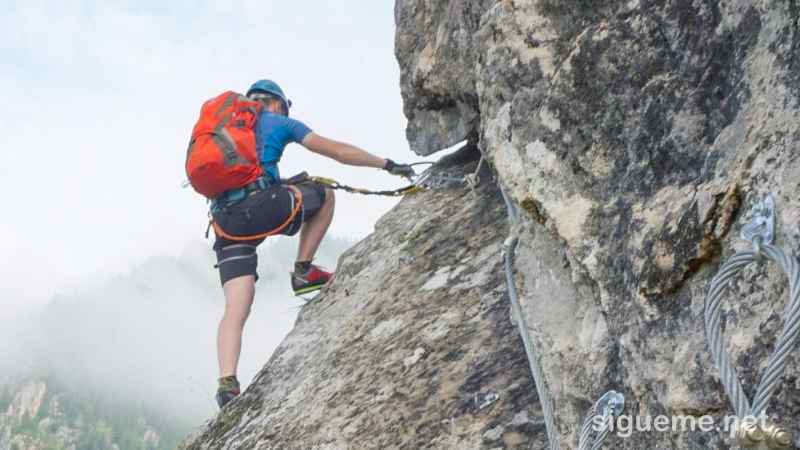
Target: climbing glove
point(403, 170)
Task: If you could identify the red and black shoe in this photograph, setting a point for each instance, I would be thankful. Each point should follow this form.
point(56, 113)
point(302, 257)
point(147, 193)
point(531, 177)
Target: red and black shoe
point(311, 281)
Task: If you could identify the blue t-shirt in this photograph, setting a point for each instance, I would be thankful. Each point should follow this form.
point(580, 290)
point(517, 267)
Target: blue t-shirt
point(273, 133)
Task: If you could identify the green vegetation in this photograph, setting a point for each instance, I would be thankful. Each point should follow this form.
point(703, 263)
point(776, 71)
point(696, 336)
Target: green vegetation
point(96, 420)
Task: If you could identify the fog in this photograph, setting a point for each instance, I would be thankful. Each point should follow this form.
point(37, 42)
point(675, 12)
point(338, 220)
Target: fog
point(148, 335)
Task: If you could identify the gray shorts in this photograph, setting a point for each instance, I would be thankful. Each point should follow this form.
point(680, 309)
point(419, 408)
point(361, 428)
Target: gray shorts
point(260, 212)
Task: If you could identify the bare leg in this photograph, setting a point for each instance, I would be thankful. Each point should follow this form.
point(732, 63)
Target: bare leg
point(314, 230)
point(239, 293)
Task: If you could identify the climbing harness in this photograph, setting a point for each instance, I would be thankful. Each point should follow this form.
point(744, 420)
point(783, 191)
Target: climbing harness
point(425, 181)
point(607, 408)
point(760, 233)
point(298, 206)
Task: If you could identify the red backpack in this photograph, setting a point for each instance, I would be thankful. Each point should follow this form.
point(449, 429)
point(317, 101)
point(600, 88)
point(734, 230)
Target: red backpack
point(222, 154)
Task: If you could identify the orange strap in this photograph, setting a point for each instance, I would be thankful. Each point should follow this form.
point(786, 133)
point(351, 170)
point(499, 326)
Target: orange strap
point(297, 207)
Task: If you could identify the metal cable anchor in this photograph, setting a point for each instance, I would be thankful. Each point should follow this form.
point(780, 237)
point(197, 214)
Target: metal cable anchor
point(761, 229)
point(473, 179)
point(760, 232)
point(609, 407)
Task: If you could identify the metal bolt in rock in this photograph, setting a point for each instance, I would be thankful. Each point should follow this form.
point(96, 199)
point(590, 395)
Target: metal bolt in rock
point(761, 229)
point(778, 437)
point(750, 435)
point(764, 437)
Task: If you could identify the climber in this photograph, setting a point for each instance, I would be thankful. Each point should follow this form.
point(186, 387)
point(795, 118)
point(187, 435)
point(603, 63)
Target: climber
point(268, 204)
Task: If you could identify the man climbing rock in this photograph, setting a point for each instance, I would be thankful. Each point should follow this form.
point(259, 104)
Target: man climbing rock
point(243, 217)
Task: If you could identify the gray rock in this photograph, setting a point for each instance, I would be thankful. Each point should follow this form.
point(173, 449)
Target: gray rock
point(378, 361)
point(432, 39)
point(634, 136)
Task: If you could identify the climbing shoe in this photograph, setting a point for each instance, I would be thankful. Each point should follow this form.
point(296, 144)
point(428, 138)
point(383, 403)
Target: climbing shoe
point(308, 277)
point(228, 390)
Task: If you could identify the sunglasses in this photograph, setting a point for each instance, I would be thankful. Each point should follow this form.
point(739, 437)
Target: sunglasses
point(261, 97)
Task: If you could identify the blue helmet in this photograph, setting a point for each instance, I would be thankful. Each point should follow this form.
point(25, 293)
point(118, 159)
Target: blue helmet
point(269, 87)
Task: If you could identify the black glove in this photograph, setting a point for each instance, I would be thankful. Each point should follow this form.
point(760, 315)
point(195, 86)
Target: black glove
point(403, 170)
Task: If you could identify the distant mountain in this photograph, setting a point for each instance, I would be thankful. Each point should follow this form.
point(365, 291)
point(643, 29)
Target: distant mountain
point(41, 415)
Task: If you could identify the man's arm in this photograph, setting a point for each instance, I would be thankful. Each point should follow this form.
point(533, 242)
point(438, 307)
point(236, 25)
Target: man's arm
point(342, 152)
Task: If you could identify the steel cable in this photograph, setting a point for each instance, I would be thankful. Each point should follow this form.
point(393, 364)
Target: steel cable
point(776, 365)
point(509, 248)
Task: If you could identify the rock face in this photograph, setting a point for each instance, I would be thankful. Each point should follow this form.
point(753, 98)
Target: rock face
point(634, 136)
point(410, 347)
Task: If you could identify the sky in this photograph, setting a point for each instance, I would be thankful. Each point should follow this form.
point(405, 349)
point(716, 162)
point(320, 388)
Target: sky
point(99, 99)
